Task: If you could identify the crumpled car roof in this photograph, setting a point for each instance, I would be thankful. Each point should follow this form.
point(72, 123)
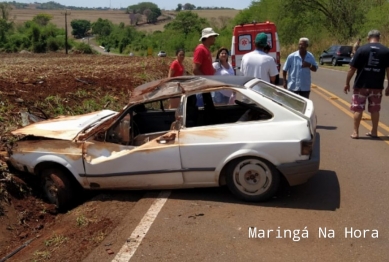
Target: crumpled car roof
point(170, 87)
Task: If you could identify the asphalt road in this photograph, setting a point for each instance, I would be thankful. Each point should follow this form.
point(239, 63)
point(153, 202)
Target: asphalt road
point(347, 201)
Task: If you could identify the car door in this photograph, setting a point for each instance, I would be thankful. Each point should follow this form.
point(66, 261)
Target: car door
point(328, 55)
point(154, 164)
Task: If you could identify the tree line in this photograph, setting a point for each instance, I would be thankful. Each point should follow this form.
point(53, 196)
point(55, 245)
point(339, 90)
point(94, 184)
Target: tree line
point(324, 22)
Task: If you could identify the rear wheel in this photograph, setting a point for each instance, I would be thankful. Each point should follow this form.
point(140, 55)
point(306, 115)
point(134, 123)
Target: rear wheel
point(334, 63)
point(58, 188)
point(321, 61)
point(252, 179)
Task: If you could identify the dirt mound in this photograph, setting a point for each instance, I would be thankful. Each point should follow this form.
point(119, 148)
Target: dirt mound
point(49, 85)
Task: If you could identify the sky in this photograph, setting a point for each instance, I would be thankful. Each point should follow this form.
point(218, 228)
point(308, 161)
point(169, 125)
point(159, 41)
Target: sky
point(162, 4)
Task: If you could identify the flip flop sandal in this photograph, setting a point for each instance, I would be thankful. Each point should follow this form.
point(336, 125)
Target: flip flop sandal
point(370, 135)
point(354, 136)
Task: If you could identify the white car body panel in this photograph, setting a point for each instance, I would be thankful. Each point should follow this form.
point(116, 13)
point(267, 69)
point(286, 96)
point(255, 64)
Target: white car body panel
point(194, 158)
point(65, 128)
point(133, 167)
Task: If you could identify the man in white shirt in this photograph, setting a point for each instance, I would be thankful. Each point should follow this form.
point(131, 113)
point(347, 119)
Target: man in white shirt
point(259, 64)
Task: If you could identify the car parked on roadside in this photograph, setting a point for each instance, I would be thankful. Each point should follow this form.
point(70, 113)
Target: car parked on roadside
point(248, 145)
point(336, 55)
point(162, 54)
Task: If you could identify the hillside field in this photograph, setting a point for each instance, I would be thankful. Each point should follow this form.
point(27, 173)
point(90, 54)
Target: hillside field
point(115, 16)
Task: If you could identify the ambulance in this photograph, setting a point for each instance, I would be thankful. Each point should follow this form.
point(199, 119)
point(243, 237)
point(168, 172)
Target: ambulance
point(243, 41)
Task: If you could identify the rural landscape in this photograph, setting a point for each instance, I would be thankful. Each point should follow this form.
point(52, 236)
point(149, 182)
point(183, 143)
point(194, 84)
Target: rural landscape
point(38, 77)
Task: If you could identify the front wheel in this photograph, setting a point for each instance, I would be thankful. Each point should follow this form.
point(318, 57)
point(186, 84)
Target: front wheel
point(252, 179)
point(58, 188)
point(321, 61)
point(334, 63)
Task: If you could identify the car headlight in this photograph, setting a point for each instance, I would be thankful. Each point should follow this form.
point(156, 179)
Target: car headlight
point(306, 147)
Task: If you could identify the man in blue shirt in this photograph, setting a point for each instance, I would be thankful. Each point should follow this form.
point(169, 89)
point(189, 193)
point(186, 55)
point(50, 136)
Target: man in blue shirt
point(298, 67)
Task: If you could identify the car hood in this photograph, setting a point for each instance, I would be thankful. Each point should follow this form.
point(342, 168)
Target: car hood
point(65, 128)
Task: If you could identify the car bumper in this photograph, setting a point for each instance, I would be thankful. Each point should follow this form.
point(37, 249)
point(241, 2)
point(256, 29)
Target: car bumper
point(299, 172)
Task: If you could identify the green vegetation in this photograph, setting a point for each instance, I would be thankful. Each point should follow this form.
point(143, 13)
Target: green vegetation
point(148, 9)
point(324, 22)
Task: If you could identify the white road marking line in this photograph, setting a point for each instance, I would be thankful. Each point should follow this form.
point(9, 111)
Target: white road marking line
point(129, 248)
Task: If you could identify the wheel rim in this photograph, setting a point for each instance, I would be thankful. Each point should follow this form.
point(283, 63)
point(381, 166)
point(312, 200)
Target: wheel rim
point(253, 177)
point(333, 62)
point(51, 191)
point(321, 61)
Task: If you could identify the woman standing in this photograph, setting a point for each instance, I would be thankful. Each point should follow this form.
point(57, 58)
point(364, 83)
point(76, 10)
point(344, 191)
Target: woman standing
point(176, 69)
point(177, 66)
point(223, 67)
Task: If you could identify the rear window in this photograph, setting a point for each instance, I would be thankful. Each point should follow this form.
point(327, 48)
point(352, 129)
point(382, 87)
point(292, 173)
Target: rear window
point(345, 49)
point(280, 96)
point(245, 42)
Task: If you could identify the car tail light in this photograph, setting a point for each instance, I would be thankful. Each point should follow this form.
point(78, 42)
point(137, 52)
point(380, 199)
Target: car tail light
point(233, 61)
point(338, 53)
point(306, 148)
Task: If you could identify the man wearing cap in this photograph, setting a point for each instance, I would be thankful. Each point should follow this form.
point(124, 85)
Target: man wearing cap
point(371, 61)
point(298, 67)
point(202, 58)
point(259, 64)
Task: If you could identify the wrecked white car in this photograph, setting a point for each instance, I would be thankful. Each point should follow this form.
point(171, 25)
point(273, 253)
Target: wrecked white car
point(249, 144)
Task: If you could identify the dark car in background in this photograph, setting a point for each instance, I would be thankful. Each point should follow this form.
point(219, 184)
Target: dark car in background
point(336, 55)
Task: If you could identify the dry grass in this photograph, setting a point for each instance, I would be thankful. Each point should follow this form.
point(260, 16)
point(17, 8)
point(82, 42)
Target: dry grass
point(208, 14)
point(115, 16)
point(20, 16)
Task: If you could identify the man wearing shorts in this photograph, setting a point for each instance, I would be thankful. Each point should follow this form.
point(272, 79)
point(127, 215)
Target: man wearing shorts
point(371, 61)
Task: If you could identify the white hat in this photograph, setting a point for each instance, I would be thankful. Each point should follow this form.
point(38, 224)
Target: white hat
point(207, 32)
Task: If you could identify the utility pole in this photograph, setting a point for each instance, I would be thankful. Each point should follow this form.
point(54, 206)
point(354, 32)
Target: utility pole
point(66, 29)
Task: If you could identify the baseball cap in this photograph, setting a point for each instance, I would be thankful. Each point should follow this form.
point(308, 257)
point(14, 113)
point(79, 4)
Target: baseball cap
point(207, 32)
point(374, 33)
point(261, 39)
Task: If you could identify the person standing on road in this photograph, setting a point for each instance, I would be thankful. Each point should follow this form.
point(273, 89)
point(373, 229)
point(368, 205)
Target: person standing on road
point(177, 67)
point(259, 64)
point(371, 61)
point(223, 67)
point(298, 67)
point(202, 58)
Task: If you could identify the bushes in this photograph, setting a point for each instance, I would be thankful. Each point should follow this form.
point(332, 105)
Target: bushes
point(83, 48)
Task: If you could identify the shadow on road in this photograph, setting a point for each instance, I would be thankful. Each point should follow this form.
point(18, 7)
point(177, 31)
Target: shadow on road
point(326, 127)
point(321, 192)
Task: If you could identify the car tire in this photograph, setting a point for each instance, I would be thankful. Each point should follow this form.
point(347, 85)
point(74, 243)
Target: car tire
point(334, 62)
point(252, 179)
point(321, 61)
point(58, 188)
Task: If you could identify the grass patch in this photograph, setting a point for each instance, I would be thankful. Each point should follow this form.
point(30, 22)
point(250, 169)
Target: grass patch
point(82, 221)
point(56, 241)
point(41, 255)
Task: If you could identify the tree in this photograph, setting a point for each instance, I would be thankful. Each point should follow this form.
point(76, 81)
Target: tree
point(5, 10)
point(343, 18)
point(80, 27)
point(148, 9)
point(179, 7)
point(187, 22)
point(102, 27)
point(155, 13)
point(42, 19)
point(141, 7)
point(189, 6)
